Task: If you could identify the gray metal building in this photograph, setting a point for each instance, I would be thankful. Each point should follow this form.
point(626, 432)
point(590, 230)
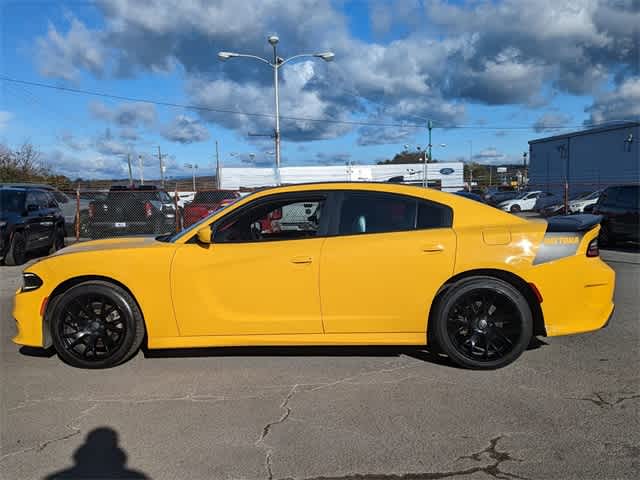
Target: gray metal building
point(587, 160)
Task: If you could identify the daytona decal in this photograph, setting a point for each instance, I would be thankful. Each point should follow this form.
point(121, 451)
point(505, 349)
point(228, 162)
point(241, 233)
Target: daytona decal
point(556, 245)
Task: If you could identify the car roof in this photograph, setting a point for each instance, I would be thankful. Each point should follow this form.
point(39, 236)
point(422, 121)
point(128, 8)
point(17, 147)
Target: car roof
point(40, 186)
point(17, 188)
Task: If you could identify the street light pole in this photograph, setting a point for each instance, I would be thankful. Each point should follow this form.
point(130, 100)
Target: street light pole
point(276, 64)
point(273, 40)
point(218, 182)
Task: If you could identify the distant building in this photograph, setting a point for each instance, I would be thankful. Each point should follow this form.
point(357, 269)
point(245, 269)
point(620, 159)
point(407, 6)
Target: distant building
point(587, 160)
point(445, 175)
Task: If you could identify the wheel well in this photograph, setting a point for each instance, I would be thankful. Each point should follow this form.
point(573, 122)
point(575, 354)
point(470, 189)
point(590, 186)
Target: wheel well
point(66, 285)
point(511, 278)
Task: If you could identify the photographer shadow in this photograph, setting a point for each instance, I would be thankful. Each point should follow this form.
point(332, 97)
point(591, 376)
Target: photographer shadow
point(101, 457)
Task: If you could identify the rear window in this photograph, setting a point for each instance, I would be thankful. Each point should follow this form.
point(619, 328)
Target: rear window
point(214, 196)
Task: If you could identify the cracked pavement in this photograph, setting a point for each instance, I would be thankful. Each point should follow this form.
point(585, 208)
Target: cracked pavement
point(568, 409)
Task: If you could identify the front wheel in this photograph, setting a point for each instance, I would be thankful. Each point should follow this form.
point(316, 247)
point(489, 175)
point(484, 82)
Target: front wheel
point(96, 325)
point(482, 323)
point(515, 208)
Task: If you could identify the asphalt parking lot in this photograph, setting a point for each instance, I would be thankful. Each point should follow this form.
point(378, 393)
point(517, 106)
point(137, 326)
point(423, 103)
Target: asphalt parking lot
point(569, 408)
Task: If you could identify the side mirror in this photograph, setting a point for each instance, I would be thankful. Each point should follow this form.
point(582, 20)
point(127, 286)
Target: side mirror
point(204, 235)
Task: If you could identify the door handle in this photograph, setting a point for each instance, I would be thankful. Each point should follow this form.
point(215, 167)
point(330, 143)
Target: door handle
point(301, 259)
point(433, 248)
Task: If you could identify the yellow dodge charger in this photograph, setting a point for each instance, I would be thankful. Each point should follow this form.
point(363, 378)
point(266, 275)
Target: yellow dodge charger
point(325, 264)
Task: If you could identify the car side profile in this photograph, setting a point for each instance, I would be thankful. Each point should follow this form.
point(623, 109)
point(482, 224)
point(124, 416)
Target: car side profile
point(30, 221)
point(620, 208)
point(372, 264)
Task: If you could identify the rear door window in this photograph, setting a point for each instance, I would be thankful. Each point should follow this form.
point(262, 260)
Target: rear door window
point(376, 212)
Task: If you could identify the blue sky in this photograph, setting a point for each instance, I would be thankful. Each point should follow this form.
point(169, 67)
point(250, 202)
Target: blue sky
point(505, 71)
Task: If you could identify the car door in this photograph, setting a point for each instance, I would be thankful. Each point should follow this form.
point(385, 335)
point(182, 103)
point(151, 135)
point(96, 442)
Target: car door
point(255, 278)
point(387, 257)
point(627, 221)
point(35, 231)
point(529, 201)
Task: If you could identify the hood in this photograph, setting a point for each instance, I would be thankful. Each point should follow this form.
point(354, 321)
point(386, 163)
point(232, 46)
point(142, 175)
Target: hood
point(111, 244)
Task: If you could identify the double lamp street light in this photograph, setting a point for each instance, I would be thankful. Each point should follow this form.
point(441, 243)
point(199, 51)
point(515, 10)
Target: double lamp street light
point(275, 65)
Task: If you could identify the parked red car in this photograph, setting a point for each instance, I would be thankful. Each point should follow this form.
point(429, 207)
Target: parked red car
point(206, 202)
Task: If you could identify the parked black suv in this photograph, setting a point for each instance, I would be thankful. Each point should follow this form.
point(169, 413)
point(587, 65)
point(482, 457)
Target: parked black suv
point(30, 220)
point(131, 210)
point(620, 207)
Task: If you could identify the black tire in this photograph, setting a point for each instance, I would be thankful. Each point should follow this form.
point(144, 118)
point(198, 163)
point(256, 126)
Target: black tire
point(95, 324)
point(482, 310)
point(57, 242)
point(515, 208)
point(17, 253)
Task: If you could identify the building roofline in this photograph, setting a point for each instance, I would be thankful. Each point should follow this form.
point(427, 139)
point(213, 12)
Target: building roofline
point(578, 133)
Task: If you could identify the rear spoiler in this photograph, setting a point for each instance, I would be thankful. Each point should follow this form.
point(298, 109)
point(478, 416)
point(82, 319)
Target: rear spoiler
point(573, 223)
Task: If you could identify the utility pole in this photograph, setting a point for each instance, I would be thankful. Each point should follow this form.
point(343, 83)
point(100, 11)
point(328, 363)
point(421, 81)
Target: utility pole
point(130, 172)
point(161, 167)
point(424, 173)
point(218, 182)
point(141, 169)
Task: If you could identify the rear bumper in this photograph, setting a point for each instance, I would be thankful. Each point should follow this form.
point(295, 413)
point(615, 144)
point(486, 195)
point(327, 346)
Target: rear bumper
point(582, 301)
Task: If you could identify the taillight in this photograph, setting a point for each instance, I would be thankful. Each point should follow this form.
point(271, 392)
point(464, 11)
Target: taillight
point(147, 209)
point(92, 210)
point(592, 249)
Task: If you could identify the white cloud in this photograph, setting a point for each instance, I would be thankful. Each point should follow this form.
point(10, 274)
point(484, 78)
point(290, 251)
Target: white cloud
point(184, 129)
point(490, 52)
point(620, 104)
point(551, 121)
point(5, 118)
point(65, 55)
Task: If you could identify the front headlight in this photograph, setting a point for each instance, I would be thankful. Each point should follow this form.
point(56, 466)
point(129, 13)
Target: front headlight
point(30, 281)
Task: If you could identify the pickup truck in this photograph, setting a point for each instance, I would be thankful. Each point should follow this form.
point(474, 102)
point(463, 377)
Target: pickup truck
point(131, 210)
point(206, 202)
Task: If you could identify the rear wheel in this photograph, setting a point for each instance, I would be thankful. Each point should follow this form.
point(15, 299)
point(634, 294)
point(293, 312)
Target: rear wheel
point(483, 323)
point(96, 325)
point(58, 240)
point(515, 208)
point(17, 253)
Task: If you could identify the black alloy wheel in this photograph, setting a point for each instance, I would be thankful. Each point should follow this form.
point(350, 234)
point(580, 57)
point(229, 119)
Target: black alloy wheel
point(515, 208)
point(483, 323)
point(96, 325)
point(17, 253)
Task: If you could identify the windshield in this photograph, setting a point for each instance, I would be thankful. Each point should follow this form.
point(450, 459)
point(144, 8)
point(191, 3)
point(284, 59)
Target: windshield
point(12, 201)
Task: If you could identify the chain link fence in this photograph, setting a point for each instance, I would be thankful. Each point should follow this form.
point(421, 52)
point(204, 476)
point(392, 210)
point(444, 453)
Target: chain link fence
point(98, 214)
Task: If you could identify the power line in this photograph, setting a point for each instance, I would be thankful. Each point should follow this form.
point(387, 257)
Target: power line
point(300, 119)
